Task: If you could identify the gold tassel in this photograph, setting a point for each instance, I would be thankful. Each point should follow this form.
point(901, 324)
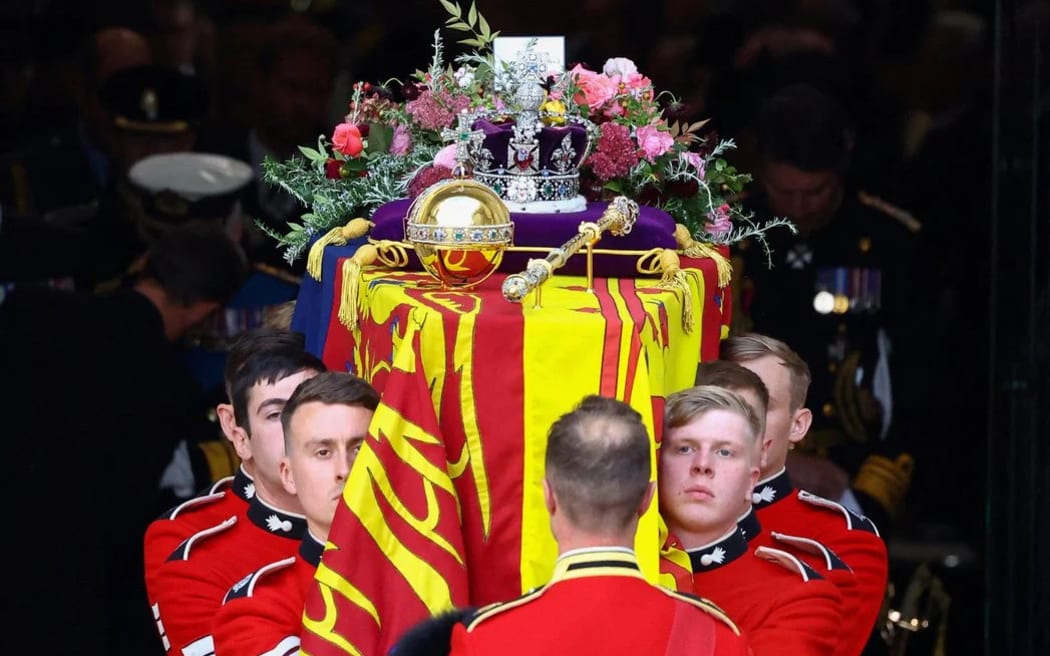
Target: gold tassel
point(334, 237)
point(675, 278)
point(348, 300)
point(692, 248)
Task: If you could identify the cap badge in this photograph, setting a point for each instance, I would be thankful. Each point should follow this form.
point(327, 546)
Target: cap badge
point(149, 104)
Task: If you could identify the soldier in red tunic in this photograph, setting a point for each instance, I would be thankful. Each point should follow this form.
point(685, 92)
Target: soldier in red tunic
point(325, 422)
point(229, 496)
point(782, 509)
point(189, 586)
point(708, 466)
point(596, 487)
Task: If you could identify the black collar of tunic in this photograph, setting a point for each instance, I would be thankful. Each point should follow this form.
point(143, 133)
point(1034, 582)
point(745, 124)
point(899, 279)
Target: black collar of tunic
point(276, 521)
point(768, 492)
point(719, 554)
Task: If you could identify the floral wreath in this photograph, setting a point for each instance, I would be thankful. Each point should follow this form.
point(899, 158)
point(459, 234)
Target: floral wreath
point(387, 149)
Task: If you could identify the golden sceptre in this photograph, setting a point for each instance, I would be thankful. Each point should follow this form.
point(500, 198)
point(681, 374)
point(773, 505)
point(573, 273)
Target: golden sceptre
point(618, 219)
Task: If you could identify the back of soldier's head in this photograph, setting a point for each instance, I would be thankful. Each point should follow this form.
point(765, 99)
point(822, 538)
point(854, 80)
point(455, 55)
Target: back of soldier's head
point(598, 464)
point(266, 367)
point(805, 129)
point(196, 263)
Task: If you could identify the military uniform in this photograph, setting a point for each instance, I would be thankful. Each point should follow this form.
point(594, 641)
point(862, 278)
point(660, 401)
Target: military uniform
point(226, 498)
point(781, 604)
point(263, 612)
point(839, 298)
point(598, 603)
point(854, 540)
point(191, 585)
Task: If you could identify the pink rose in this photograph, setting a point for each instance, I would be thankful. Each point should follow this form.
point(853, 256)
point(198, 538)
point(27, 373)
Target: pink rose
point(653, 141)
point(620, 66)
point(347, 139)
point(719, 223)
point(401, 142)
point(695, 160)
point(446, 157)
point(593, 89)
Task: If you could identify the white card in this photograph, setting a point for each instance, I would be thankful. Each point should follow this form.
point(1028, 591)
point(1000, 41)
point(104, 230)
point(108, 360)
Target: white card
point(551, 49)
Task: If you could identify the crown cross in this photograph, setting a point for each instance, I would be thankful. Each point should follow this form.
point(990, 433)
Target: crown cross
point(465, 139)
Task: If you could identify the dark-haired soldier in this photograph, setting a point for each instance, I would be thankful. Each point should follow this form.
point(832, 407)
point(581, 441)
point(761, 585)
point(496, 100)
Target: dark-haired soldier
point(189, 586)
point(837, 293)
point(255, 356)
point(98, 398)
point(325, 421)
point(596, 487)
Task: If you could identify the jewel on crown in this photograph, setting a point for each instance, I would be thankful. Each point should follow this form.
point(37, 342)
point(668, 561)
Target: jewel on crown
point(526, 152)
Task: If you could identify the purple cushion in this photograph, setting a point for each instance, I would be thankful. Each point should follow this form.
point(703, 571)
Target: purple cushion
point(654, 229)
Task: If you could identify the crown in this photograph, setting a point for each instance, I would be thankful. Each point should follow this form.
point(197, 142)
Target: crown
point(529, 151)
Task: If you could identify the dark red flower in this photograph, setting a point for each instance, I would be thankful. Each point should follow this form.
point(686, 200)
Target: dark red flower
point(331, 169)
point(426, 177)
point(365, 129)
point(682, 188)
point(410, 90)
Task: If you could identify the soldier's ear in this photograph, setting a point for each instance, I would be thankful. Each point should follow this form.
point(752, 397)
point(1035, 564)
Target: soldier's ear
point(287, 480)
point(548, 497)
point(647, 500)
point(800, 423)
point(242, 443)
point(224, 411)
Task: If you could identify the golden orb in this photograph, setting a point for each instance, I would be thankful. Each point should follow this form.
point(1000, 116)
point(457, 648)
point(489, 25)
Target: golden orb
point(459, 229)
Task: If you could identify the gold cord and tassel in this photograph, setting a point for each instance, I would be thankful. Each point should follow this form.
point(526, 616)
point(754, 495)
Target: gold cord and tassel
point(666, 262)
point(335, 237)
point(692, 248)
point(348, 299)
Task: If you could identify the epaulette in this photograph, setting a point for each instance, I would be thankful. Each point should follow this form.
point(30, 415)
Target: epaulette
point(194, 503)
point(246, 587)
point(853, 520)
point(706, 605)
point(182, 552)
point(903, 216)
point(789, 562)
point(811, 546)
point(492, 610)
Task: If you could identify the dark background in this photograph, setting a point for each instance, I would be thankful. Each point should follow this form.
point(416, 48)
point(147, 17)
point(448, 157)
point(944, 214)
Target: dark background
point(977, 72)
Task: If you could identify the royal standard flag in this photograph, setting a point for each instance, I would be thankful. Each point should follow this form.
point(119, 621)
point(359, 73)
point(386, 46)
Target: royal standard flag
point(444, 505)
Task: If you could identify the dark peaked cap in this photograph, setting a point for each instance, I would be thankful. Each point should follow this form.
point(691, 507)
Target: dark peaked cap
point(154, 99)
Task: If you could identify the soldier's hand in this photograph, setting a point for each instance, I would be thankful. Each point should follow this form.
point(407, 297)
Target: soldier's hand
point(817, 475)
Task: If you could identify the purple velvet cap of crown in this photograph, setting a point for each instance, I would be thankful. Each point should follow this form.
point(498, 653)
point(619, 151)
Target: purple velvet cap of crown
point(654, 229)
point(498, 136)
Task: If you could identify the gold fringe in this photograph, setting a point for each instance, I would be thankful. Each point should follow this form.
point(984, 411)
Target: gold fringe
point(348, 299)
point(692, 248)
point(334, 237)
point(675, 278)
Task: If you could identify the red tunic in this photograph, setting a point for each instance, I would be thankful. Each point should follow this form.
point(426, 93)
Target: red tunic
point(263, 613)
point(190, 586)
point(226, 498)
point(598, 603)
point(782, 509)
point(782, 605)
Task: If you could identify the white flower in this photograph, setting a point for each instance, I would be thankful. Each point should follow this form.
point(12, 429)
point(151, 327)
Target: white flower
point(464, 77)
point(619, 66)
